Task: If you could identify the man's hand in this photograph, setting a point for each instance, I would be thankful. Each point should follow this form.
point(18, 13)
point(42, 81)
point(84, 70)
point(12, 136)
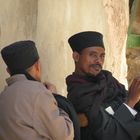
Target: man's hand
point(82, 119)
point(134, 92)
point(50, 87)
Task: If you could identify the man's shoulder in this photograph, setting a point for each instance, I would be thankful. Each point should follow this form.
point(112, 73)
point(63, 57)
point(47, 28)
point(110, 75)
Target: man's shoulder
point(36, 85)
point(24, 84)
point(107, 72)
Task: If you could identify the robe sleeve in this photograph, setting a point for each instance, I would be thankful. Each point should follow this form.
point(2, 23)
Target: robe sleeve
point(121, 125)
point(50, 121)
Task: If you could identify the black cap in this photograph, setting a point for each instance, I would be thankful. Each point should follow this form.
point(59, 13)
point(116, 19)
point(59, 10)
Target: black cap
point(20, 55)
point(86, 39)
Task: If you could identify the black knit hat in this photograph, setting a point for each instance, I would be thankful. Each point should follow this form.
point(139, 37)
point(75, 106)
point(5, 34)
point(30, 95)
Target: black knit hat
point(86, 39)
point(20, 55)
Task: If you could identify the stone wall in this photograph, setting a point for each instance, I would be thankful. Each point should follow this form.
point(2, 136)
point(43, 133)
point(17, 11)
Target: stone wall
point(116, 37)
point(50, 23)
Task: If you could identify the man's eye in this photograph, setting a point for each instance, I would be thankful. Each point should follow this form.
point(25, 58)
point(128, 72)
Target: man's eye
point(92, 54)
point(103, 56)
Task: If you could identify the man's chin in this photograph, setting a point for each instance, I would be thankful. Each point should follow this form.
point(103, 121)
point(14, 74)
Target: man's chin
point(95, 73)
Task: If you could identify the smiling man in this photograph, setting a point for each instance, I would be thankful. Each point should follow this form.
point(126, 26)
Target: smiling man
point(104, 108)
point(90, 60)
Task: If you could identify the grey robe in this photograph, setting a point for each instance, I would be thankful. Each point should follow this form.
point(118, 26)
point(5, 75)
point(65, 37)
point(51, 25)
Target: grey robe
point(28, 111)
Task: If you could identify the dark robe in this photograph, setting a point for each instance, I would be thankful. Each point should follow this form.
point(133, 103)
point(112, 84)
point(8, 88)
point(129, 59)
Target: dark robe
point(91, 96)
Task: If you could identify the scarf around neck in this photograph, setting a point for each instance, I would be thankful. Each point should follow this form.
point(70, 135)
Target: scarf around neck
point(103, 90)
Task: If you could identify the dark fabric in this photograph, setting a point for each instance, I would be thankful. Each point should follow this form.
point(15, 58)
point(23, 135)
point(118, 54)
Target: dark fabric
point(20, 55)
point(28, 76)
point(114, 127)
point(88, 94)
point(128, 122)
point(66, 105)
point(95, 91)
point(86, 39)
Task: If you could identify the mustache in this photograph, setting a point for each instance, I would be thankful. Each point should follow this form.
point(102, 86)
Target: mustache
point(96, 66)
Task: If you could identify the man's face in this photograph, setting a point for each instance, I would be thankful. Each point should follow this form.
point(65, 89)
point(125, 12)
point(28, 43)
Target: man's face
point(90, 60)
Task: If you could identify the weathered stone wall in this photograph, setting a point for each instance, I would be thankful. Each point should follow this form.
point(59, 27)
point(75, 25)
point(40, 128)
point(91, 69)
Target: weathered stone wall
point(54, 21)
point(117, 35)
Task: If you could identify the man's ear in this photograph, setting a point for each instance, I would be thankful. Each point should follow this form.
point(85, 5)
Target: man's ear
point(37, 65)
point(7, 69)
point(76, 56)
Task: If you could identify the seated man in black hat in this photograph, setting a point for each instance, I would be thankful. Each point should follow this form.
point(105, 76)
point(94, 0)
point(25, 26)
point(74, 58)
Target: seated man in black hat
point(105, 108)
point(28, 110)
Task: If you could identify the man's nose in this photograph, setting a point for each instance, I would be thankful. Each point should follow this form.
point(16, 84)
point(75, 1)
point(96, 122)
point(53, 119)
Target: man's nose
point(99, 60)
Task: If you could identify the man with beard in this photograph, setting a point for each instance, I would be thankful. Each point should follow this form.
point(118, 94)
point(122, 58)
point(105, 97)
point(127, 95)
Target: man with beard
point(28, 110)
point(106, 110)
